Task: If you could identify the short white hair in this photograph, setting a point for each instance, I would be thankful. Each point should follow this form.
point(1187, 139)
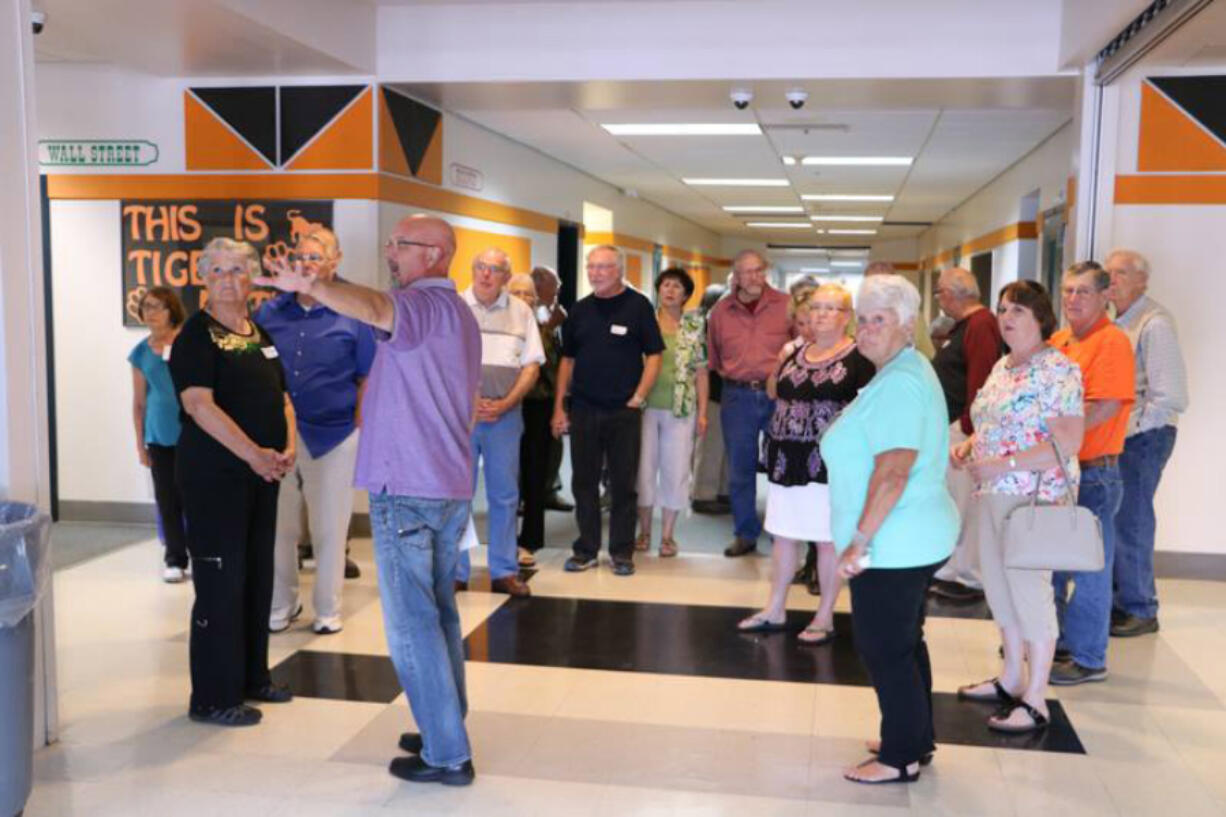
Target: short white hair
point(889, 292)
point(223, 245)
point(1138, 262)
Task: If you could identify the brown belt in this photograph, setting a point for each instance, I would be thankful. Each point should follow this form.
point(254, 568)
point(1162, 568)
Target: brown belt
point(1109, 461)
point(756, 385)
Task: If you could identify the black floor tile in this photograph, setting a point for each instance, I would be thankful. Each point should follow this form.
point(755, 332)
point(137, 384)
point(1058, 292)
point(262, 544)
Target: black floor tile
point(963, 723)
point(339, 676)
point(943, 608)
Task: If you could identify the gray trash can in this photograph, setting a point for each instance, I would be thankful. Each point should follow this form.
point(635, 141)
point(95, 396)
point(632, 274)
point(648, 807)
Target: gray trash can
point(24, 567)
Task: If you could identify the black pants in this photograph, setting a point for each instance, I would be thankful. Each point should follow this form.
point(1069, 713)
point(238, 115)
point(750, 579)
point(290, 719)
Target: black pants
point(535, 478)
point(597, 438)
point(887, 612)
point(231, 522)
point(170, 508)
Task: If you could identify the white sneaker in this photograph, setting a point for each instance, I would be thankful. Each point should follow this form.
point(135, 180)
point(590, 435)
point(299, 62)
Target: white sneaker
point(173, 575)
point(326, 626)
point(280, 625)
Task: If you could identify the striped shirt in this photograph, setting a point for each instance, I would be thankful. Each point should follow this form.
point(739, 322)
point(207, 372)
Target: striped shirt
point(510, 340)
point(1162, 380)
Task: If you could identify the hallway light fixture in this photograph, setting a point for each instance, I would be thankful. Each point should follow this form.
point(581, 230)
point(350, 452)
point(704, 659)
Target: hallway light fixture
point(846, 218)
point(764, 208)
point(815, 269)
point(693, 129)
point(851, 232)
point(856, 160)
point(846, 263)
point(780, 225)
point(789, 160)
point(838, 197)
point(737, 182)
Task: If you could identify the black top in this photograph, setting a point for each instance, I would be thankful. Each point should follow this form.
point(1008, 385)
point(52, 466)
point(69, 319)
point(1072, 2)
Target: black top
point(810, 397)
point(965, 360)
point(247, 382)
point(608, 337)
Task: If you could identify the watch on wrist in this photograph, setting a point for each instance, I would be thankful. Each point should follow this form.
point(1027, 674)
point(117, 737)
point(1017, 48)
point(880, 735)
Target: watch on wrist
point(1012, 463)
point(859, 538)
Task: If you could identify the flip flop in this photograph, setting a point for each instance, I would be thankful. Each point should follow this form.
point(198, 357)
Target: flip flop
point(827, 635)
point(1037, 721)
point(998, 694)
point(760, 624)
point(903, 775)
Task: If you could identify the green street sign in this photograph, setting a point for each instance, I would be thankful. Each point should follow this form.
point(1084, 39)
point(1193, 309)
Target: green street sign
point(96, 152)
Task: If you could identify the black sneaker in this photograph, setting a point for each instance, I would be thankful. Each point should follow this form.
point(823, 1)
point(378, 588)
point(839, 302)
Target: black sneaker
point(1070, 673)
point(416, 770)
point(955, 591)
point(240, 715)
point(352, 571)
point(1134, 625)
point(623, 567)
point(271, 693)
point(740, 547)
point(578, 564)
point(411, 742)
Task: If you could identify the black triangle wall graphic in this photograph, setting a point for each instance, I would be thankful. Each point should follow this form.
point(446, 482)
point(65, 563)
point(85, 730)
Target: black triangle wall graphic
point(305, 109)
point(1203, 98)
point(252, 112)
point(415, 126)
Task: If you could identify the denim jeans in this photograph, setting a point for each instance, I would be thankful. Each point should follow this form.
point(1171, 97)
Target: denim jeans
point(416, 550)
point(1141, 465)
point(1085, 618)
point(744, 414)
point(497, 444)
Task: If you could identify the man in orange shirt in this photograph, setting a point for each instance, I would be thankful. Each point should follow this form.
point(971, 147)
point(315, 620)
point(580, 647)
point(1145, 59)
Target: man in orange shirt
point(1103, 352)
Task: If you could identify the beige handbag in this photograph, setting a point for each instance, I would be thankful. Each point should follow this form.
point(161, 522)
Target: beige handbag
point(1044, 536)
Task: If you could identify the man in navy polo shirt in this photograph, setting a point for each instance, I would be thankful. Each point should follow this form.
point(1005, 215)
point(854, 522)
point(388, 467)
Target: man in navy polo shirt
point(326, 357)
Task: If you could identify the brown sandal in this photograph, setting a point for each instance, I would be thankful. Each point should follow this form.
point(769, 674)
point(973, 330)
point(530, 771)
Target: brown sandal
point(643, 541)
point(668, 547)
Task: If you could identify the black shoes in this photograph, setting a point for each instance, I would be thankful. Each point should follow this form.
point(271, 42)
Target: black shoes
point(623, 567)
point(271, 693)
point(955, 591)
point(712, 507)
point(410, 742)
point(1130, 626)
point(416, 770)
point(240, 715)
point(740, 547)
point(352, 571)
point(556, 503)
point(578, 564)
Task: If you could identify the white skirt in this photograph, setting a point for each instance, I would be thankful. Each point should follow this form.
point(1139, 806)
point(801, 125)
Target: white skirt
point(800, 512)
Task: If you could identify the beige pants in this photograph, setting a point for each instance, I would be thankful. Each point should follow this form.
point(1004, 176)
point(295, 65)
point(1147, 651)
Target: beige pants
point(963, 564)
point(1019, 598)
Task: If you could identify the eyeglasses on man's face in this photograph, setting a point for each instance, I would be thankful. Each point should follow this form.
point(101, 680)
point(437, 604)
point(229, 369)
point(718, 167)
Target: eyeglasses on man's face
point(481, 266)
point(606, 267)
point(405, 243)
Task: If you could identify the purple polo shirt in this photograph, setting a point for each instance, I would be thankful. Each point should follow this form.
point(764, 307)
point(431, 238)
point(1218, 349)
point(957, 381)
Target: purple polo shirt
point(417, 413)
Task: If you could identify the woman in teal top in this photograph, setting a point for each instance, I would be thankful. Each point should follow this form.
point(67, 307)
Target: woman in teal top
point(893, 520)
point(675, 408)
point(155, 415)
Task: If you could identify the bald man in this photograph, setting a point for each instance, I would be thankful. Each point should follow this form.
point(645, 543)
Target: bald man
point(415, 459)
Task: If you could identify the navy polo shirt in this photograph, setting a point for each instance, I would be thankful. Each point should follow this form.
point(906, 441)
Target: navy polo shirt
point(325, 356)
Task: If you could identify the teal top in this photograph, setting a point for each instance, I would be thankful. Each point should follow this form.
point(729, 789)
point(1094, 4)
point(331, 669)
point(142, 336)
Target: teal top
point(161, 403)
point(661, 394)
point(902, 407)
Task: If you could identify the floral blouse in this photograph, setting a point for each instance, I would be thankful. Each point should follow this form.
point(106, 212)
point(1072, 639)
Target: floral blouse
point(1010, 414)
point(690, 355)
point(810, 397)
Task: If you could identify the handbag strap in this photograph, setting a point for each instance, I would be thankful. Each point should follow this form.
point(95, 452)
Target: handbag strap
point(1068, 480)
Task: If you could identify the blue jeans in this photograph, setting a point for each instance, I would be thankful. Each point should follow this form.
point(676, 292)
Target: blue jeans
point(497, 443)
point(416, 550)
point(1141, 465)
point(744, 414)
point(1085, 619)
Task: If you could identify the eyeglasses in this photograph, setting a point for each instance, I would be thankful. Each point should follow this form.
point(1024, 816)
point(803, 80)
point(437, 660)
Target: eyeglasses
point(233, 272)
point(1078, 292)
point(612, 265)
point(308, 257)
point(826, 308)
point(404, 243)
point(481, 266)
point(153, 306)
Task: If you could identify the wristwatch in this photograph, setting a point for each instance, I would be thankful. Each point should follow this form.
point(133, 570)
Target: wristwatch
point(635, 401)
point(1012, 463)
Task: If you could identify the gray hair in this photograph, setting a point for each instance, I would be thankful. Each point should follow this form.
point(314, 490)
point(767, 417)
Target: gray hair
point(1102, 278)
point(541, 272)
point(1137, 261)
point(621, 256)
point(892, 292)
point(766, 262)
point(879, 268)
point(221, 244)
point(504, 264)
point(521, 277)
point(962, 283)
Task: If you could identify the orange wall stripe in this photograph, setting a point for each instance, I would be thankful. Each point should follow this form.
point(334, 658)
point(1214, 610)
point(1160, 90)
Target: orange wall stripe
point(346, 144)
point(1171, 140)
point(626, 242)
point(634, 270)
point(214, 186)
point(1170, 189)
point(210, 145)
point(1019, 231)
point(416, 194)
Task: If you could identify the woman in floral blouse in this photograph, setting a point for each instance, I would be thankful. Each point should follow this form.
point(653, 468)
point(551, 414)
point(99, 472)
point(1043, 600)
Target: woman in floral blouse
point(1029, 408)
point(675, 408)
point(815, 380)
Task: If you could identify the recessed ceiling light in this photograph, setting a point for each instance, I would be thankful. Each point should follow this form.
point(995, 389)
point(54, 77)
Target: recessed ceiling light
point(692, 129)
point(845, 218)
point(737, 182)
point(845, 263)
point(789, 160)
point(764, 208)
point(852, 232)
point(783, 225)
point(839, 197)
point(856, 160)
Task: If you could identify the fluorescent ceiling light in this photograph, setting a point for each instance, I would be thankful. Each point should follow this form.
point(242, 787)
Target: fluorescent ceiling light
point(815, 269)
point(789, 160)
point(845, 263)
point(700, 129)
point(838, 197)
point(737, 182)
point(845, 218)
point(756, 208)
point(852, 232)
point(784, 225)
point(803, 250)
point(856, 160)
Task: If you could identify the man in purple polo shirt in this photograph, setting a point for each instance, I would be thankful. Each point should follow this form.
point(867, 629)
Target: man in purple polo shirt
point(415, 459)
point(326, 357)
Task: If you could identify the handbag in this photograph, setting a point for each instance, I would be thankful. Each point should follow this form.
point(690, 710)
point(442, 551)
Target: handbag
point(1053, 536)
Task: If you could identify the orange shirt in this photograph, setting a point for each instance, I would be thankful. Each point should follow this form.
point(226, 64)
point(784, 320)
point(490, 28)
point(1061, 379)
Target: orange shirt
point(1107, 373)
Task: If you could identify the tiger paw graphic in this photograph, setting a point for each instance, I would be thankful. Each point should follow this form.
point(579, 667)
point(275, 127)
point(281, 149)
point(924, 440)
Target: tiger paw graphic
point(132, 307)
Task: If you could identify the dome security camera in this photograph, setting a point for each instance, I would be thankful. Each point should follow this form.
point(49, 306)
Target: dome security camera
point(741, 98)
point(38, 21)
point(797, 98)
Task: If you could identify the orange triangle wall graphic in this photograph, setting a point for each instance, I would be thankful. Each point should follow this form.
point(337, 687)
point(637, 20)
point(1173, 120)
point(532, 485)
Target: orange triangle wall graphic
point(391, 156)
point(431, 169)
point(346, 144)
point(1170, 140)
point(210, 145)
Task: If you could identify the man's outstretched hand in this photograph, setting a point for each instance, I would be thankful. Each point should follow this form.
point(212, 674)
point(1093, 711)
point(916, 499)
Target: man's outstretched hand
point(285, 276)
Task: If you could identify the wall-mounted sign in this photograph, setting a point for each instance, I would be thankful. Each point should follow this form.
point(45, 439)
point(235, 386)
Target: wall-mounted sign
point(96, 152)
point(464, 176)
point(162, 241)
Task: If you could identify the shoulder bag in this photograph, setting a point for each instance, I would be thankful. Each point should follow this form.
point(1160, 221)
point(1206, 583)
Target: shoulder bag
point(1047, 536)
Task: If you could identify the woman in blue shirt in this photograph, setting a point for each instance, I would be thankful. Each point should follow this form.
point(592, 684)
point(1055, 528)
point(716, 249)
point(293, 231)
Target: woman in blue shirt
point(893, 520)
point(155, 414)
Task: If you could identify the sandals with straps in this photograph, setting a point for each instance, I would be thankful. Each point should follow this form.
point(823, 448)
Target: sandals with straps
point(998, 695)
point(998, 722)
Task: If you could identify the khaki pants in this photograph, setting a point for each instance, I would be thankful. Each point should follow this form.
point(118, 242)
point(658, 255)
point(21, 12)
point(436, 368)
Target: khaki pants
point(963, 565)
point(1018, 598)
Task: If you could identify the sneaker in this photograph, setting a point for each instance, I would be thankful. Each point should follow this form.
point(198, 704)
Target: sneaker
point(578, 564)
point(1071, 674)
point(326, 626)
point(174, 575)
point(955, 591)
point(240, 715)
point(623, 567)
point(740, 547)
point(526, 558)
point(1131, 626)
point(271, 693)
point(416, 770)
point(277, 625)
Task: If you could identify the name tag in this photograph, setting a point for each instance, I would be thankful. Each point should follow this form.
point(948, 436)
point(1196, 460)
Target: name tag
point(166, 353)
point(617, 329)
point(269, 351)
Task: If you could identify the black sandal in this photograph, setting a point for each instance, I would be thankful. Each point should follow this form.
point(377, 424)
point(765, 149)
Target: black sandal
point(925, 758)
point(904, 776)
point(1038, 722)
point(998, 695)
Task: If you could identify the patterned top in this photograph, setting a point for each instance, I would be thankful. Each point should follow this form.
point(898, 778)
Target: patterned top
point(690, 354)
point(1011, 413)
point(810, 396)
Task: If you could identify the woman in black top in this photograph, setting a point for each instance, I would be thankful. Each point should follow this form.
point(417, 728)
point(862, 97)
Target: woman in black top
point(818, 375)
point(237, 443)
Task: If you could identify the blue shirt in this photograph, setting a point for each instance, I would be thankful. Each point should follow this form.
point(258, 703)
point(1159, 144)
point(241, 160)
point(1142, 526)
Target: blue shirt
point(902, 407)
point(325, 356)
point(161, 404)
